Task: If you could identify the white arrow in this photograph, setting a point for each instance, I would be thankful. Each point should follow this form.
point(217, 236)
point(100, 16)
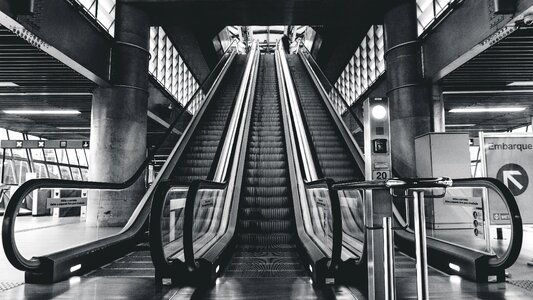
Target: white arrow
point(508, 176)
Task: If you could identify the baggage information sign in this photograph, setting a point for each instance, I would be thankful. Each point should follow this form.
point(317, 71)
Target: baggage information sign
point(509, 157)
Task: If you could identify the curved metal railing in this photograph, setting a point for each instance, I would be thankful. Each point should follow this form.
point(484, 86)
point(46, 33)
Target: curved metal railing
point(495, 263)
point(8, 226)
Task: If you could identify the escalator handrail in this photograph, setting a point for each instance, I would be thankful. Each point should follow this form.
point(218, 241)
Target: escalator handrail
point(10, 214)
point(515, 242)
point(494, 263)
point(349, 108)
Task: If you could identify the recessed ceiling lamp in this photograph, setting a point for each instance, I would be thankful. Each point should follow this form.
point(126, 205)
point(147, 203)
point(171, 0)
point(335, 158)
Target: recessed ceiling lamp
point(486, 109)
point(41, 112)
point(8, 84)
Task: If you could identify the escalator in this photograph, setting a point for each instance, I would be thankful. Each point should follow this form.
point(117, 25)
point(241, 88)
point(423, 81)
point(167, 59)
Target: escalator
point(192, 158)
point(266, 235)
point(340, 159)
point(332, 153)
point(196, 162)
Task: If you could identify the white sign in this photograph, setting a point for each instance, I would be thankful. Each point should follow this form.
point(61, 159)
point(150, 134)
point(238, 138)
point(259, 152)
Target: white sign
point(66, 202)
point(509, 158)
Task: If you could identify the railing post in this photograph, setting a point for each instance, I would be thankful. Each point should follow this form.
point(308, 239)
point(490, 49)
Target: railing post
point(388, 250)
point(420, 245)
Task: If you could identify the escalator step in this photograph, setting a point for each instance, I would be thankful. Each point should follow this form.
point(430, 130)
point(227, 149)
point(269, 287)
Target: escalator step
point(270, 213)
point(265, 226)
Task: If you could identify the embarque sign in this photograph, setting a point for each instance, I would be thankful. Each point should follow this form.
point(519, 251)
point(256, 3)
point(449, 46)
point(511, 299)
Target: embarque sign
point(509, 157)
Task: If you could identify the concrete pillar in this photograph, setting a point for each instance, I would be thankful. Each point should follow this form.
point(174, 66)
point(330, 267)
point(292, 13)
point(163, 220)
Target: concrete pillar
point(410, 100)
point(438, 109)
point(118, 121)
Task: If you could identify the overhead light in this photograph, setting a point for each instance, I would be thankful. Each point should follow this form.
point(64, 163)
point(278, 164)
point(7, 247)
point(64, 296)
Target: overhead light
point(460, 125)
point(379, 112)
point(486, 109)
point(74, 128)
point(41, 112)
point(521, 83)
point(8, 84)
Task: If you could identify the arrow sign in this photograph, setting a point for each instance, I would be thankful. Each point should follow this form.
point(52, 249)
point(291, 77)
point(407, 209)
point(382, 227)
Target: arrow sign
point(514, 177)
point(508, 176)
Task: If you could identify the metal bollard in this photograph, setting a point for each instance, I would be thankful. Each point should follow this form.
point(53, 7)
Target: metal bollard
point(420, 244)
point(388, 257)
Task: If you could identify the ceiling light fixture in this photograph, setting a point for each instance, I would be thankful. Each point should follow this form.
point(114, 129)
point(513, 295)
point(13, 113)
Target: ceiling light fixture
point(486, 109)
point(41, 112)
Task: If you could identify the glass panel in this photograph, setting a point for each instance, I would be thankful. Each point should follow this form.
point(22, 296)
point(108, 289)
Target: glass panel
point(9, 173)
point(85, 174)
point(208, 213)
point(76, 173)
point(40, 169)
point(65, 172)
point(37, 154)
point(62, 156)
point(318, 219)
point(53, 171)
point(172, 223)
point(13, 135)
point(50, 155)
point(353, 221)
point(81, 156)
point(71, 155)
point(19, 153)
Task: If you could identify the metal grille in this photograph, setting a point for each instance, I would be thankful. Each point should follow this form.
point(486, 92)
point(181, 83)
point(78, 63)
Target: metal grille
point(364, 68)
point(103, 12)
point(427, 11)
point(4, 286)
point(525, 284)
point(169, 69)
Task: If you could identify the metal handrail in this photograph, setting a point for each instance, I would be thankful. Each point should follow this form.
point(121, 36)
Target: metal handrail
point(8, 224)
point(515, 243)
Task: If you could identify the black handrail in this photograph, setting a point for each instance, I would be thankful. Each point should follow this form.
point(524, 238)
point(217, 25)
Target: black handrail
point(8, 224)
point(515, 243)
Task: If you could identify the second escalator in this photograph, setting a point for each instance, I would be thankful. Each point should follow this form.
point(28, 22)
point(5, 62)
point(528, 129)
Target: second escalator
point(332, 153)
point(266, 234)
point(197, 159)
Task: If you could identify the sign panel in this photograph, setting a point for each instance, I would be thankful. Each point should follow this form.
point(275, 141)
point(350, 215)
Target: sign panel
point(509, 157)
point(44, 144)
point(66, 202)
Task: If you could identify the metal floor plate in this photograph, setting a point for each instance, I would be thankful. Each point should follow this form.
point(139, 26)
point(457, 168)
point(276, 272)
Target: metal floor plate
point(525, 284)
point(4, 286)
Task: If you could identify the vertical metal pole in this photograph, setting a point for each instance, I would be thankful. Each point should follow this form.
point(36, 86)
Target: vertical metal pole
point(3, 164)
point(420, 244)
point(388, 257)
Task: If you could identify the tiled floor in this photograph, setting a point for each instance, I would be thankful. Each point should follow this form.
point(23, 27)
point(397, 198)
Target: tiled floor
point(138, 283)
